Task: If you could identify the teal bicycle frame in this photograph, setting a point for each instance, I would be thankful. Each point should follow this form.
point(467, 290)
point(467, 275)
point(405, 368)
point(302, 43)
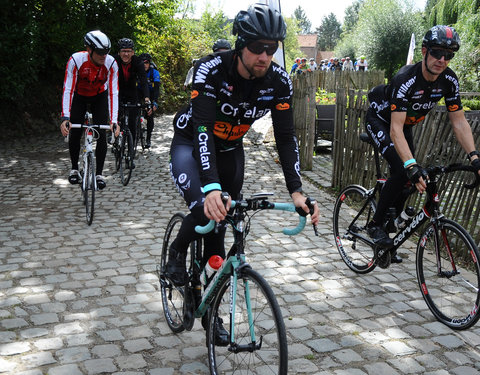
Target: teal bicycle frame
point(235, 261)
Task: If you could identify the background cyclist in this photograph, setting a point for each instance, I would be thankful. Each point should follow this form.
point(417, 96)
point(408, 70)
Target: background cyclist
point(88, 76)
point(221, 45)
point(131, 71)
point(153, 80)
point(395, 108)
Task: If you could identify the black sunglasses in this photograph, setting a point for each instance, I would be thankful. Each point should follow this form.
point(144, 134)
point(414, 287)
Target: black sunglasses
point(258, 47)
point(101, 52)
point(439, 53)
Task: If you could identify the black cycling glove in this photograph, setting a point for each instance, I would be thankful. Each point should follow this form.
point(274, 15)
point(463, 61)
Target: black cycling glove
point(415, 172)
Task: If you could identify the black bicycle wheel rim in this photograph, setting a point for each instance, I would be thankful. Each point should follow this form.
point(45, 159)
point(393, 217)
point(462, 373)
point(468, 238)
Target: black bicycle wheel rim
point(272, 354)
point(90, 189)
point(452, 298)
point(351, 214)
point(172, 296)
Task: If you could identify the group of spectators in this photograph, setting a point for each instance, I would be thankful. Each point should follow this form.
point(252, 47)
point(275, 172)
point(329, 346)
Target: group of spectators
point(332, 64)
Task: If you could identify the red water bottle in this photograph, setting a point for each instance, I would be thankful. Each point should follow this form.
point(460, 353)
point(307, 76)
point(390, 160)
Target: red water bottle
point(212, 266)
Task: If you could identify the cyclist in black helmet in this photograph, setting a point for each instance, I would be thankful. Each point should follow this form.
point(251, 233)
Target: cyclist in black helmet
point(396, 108)
point(131, 73)
point(221, 45)
point(230, 91)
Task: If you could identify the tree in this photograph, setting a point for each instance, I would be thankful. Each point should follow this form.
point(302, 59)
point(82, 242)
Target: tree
point(328, 32)
point(351, 16)
point(383, 33)
point(290, 44)
point(465, 17)
point(303, 22)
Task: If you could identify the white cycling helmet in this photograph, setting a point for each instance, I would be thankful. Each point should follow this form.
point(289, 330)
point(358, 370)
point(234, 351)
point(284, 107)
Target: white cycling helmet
point(97, 40)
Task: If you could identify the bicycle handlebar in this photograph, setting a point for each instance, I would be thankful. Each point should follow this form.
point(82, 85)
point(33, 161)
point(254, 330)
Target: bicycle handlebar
point(458, 167)
point(268, 205)
point(106, 127)
point(136, 105)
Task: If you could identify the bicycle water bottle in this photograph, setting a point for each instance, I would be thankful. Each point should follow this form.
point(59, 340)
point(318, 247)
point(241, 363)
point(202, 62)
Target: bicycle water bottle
point(211, 267)
point(403, 219)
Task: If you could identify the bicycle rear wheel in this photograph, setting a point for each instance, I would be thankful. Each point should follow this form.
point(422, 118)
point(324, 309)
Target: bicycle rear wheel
point(259, 342)
point(448, 273)
point(126, 157)
point(352, 212)
point(89, 189)
point(173, 297)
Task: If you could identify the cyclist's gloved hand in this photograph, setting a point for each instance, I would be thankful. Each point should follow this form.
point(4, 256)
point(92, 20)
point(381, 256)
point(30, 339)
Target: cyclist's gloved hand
point(65, 127)
point(418, 176)
point(115, 129)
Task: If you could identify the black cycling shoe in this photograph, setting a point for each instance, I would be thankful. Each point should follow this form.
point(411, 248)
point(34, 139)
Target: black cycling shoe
point(221, 334)
point(147, 144)
point(175, 269)
point(74, 177)
point(379, 237)
point(396, 259)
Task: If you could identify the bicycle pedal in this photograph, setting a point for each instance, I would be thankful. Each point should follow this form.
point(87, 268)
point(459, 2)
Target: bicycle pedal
point(384, 260)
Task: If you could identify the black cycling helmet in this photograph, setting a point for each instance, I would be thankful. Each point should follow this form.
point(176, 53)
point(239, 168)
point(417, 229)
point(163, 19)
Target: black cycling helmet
point(97, 40)
point(145, 57)
point(221, 44)
point(442, 36)
point(258, 22)
point(125, 43)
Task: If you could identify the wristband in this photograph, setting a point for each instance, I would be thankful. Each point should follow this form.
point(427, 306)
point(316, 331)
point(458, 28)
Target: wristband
point(472, 154)
point(409, 162)
point(210, 187)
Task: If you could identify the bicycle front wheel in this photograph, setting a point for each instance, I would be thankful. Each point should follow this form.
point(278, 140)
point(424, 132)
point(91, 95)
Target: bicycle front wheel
point(448, 273)
point(259, 342)
point(353, 210)
point(173, 297)
point(126, 158)
point(89, 190)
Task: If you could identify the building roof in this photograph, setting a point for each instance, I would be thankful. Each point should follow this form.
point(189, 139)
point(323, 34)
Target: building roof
point(308, 40)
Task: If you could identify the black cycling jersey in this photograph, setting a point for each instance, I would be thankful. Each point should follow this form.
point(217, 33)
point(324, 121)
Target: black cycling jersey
point(224, 105)
point(410, 92)
point(128, 76)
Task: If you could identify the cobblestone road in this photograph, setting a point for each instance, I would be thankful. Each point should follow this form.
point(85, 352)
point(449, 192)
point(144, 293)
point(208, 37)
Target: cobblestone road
point(76, 299)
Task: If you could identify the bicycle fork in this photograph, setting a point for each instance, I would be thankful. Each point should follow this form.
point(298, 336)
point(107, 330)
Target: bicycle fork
point(236, 264)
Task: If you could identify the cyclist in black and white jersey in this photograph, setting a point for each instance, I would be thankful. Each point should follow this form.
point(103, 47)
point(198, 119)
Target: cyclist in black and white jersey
point(230, 91)
point(396, 107)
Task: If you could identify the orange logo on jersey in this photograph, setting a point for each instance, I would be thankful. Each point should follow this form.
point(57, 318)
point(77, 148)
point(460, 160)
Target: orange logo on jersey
point(452, 108)
point(194, 94)
point(413, 120)
point(282, 106)
point(229, 132)
point(393, 107)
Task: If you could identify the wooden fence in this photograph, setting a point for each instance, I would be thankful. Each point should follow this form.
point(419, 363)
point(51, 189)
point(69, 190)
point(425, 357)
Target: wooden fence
point(353, 160)
point(305, 86)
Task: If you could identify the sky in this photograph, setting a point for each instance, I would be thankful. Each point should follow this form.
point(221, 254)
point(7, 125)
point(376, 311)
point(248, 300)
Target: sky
point(315, 10)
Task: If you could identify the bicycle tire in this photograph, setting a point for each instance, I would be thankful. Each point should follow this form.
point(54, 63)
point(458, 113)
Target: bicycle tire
point(143, 132)
point(126, 158)
point(352, 212)
point(137, 135)
point(453, 298)
point(116, 152)
point(271, 357)
point(89, 192)
point(173, 297)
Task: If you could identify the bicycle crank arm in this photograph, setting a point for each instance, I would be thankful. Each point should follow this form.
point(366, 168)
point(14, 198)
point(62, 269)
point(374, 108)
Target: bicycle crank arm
point(235, 348)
